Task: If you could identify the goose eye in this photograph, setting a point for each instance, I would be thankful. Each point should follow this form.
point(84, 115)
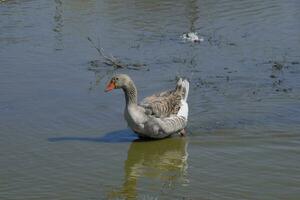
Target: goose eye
point(117, 78)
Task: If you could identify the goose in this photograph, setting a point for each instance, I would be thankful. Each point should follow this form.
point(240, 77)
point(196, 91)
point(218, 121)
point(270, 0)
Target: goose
point(158, 116)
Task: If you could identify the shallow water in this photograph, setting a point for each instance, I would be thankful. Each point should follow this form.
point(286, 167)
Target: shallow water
point(62, 137)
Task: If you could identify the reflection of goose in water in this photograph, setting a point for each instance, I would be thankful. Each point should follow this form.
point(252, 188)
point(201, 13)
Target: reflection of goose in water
point(163, 161)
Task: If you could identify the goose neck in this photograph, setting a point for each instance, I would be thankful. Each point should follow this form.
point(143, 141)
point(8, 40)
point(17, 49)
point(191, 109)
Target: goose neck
point(130, 94)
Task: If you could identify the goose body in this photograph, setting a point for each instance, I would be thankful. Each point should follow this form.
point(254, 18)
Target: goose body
point(156, 116)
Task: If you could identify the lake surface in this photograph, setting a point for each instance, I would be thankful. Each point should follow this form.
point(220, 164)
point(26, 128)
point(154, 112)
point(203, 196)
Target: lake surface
point(62, 137)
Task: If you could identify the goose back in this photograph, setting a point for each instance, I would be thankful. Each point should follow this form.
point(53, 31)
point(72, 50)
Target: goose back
point(164, 104)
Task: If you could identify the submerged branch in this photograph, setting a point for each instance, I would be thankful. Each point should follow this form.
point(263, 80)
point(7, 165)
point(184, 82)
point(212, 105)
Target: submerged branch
point(109, 60)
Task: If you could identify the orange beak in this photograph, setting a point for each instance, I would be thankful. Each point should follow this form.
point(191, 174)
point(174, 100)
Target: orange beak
point(110, 86)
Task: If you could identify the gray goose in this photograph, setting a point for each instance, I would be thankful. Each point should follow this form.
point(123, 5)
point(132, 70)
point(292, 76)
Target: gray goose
point(157, 116)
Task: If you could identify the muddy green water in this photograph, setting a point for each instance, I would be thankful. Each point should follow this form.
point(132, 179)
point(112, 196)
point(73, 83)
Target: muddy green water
point(62, 137)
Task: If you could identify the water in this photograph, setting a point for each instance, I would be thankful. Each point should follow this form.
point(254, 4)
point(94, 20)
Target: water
point(62, 137)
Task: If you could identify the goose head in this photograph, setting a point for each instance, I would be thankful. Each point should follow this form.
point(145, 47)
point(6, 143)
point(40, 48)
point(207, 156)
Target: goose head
point(119, 81)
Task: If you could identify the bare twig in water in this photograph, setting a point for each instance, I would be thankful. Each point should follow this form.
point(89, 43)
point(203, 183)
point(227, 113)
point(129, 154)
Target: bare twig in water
point(109, 60)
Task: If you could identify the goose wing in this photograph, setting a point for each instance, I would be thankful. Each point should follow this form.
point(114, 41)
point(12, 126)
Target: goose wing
point(162, 104)
point(167, 111)
point(167, 103)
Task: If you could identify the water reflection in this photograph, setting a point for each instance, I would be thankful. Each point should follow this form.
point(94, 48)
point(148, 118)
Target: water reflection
point(193, 14)
point(164, 161)
point(59, 23)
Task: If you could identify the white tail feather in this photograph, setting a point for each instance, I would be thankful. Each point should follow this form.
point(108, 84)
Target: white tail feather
point(184, 108)
point(186, 86)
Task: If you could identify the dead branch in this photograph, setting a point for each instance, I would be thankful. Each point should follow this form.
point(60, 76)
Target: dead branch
point(109, 60)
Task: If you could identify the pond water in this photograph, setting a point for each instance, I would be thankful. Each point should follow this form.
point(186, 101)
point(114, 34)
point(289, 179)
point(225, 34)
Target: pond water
point(62, 137)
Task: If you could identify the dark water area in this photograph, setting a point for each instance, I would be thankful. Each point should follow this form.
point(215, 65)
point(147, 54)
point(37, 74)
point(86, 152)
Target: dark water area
point(62, 137)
